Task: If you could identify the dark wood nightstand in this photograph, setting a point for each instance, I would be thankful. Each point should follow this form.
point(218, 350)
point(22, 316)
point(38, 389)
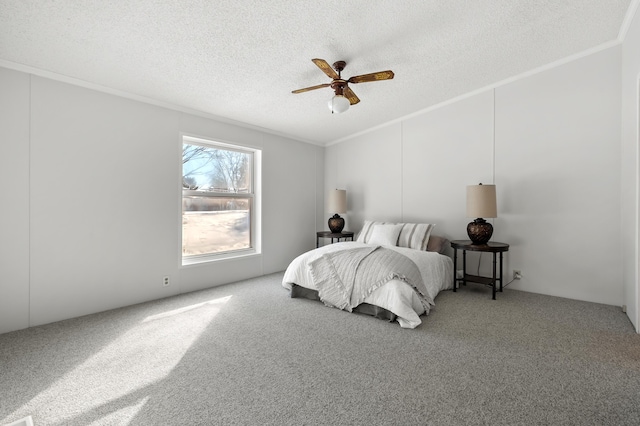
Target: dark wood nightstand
point(490, 247)
point(329, 234)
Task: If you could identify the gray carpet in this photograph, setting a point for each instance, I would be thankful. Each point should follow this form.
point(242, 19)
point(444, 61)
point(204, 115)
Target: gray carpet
point(247, 354)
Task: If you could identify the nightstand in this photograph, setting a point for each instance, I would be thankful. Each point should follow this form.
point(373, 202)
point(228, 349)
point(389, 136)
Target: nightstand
point(329, 234)
point(491, 247)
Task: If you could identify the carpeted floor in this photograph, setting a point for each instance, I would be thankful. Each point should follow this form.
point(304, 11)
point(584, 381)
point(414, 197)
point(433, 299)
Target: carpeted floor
point(247, 354)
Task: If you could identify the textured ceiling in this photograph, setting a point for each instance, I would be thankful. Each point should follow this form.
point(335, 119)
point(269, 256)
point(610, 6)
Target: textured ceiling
point(240, 59)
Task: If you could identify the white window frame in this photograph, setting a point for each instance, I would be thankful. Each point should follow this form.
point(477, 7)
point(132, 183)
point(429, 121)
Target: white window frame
point(255, 230)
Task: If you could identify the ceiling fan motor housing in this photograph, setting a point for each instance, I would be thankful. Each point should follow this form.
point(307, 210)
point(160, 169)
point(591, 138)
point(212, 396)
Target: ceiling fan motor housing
point(339, 66)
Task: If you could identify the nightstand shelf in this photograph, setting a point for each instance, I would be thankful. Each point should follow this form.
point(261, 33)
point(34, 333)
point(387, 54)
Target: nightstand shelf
point(478, 279)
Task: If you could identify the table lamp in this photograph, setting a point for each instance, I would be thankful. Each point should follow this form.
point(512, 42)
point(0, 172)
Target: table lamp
point(481, 203)
point(337, 204)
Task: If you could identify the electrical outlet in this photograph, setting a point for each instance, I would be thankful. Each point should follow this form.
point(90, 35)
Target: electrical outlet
point(517, 274)
point(165, 281)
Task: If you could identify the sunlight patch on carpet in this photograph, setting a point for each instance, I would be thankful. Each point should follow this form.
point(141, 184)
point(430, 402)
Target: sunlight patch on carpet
point(178, 311)
point(131, 367)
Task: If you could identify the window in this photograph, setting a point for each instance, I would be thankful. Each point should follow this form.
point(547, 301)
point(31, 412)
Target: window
point(220, 200)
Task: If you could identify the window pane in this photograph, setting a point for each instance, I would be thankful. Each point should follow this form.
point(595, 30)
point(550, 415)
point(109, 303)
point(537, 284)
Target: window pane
point(215, 224)
point(212, 169)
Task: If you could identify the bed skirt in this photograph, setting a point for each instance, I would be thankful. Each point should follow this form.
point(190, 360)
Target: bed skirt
point(363, 308)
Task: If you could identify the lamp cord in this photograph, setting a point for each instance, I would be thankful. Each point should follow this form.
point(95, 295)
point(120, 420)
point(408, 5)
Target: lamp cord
point(505, 285)
point(478, 272)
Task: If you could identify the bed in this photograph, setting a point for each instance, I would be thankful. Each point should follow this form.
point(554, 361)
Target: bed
point(402, 292)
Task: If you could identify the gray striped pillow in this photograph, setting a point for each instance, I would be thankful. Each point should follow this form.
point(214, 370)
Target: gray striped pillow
point(415, 235)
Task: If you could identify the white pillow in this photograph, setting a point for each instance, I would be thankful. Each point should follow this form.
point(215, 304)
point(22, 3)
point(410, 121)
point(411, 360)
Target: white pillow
point(367, 229)
point(385, 235)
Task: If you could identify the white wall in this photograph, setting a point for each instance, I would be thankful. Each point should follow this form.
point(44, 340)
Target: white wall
point(443, 152)
point(558, 169)
point(370, 170)
point(91, 197)
point(404, 172)
point(555, 160)
point(14, 200)
point(630, 167)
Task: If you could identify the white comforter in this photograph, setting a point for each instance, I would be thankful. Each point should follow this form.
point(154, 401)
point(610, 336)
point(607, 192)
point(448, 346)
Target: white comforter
point(395, 296)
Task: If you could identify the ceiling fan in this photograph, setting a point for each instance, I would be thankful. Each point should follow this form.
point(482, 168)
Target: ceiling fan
point(344, 96)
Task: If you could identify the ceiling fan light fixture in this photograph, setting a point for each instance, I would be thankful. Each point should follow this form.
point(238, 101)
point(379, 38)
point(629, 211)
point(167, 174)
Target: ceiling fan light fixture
point(339, 104)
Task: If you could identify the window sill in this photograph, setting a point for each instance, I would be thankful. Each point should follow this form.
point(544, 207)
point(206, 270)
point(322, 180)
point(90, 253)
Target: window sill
point(209, 259)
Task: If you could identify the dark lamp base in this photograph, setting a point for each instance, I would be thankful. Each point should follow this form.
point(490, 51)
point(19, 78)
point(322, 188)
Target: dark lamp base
point(479, 231)
point(336, 224)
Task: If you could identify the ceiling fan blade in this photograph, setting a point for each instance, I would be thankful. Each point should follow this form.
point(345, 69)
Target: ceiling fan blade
point(306, 89)
point(381, 75)
point(326, 68)
point(348, 93)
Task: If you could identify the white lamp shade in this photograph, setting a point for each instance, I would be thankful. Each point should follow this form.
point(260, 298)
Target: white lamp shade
point(481, 201)
point(339, 104)
point(337, 201)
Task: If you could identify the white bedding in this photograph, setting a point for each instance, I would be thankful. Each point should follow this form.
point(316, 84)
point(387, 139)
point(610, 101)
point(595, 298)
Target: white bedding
point(395, 296)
